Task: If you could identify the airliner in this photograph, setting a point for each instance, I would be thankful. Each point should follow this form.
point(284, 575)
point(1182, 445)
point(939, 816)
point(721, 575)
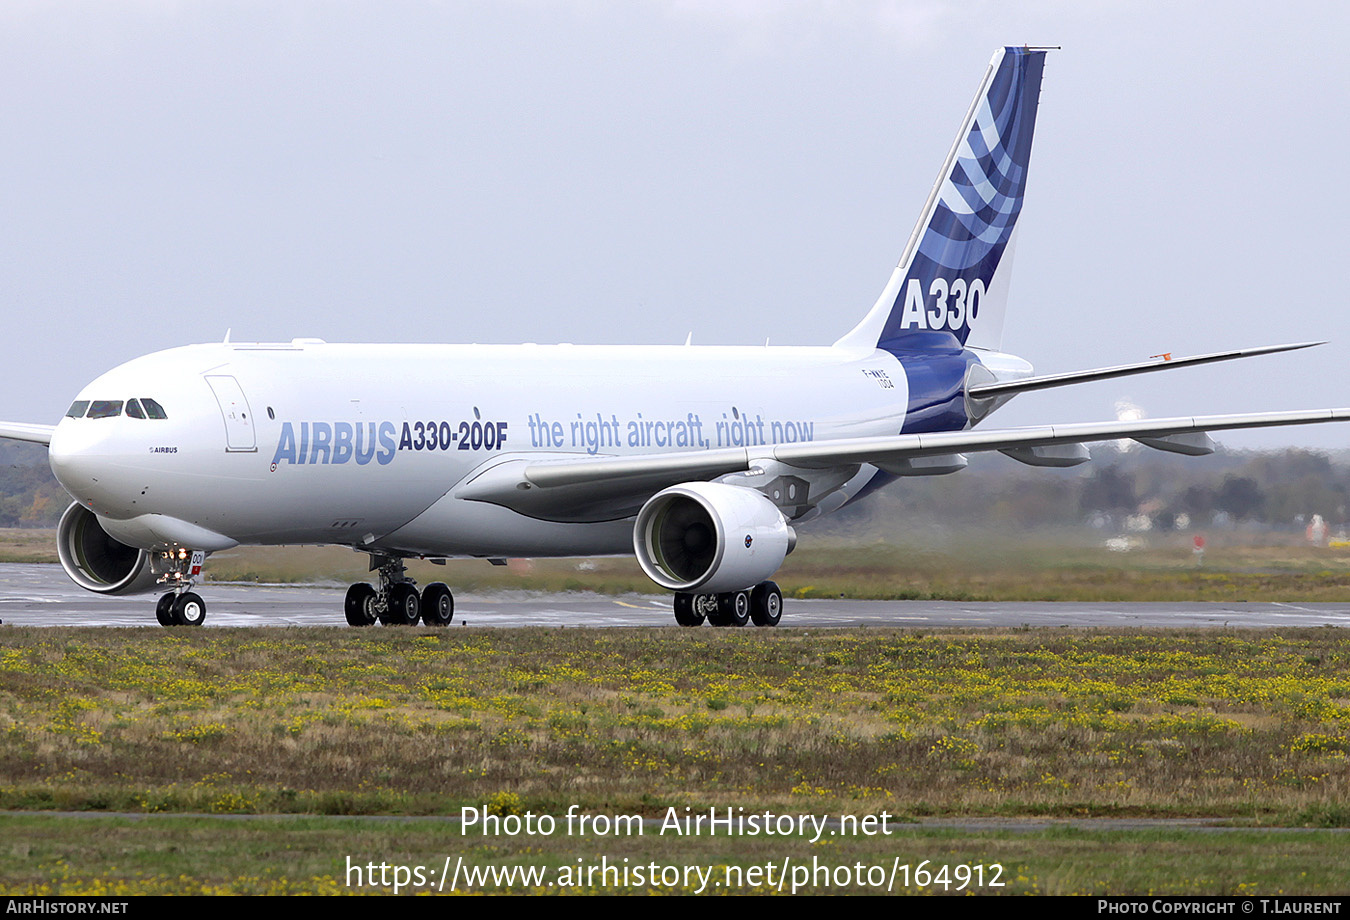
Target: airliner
point(703, 461)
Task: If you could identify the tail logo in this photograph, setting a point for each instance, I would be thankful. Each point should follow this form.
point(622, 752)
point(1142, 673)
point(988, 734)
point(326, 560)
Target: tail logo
point(954, 305)
point(978, 201)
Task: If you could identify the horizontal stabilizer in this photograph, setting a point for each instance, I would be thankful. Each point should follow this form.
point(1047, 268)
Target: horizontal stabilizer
point(1013, 387)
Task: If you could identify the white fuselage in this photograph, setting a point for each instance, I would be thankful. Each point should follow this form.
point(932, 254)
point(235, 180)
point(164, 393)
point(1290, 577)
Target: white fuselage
point(365, 444)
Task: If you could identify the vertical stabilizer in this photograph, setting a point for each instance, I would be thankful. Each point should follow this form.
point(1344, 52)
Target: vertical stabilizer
point(951, 286)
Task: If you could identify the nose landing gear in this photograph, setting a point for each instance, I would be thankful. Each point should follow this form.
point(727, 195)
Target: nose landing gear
point(181, 606)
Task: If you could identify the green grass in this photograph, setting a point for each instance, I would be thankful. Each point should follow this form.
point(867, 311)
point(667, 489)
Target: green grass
point(1053, 566)
point(190, 730)
point(112, 856)
point(1244, 724)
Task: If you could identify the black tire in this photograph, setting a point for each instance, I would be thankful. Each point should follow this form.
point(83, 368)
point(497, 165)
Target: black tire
point(733, 608)
point(766, 604)
point(712, 604)
point(405, 606)
point(164, 610)
point(687, 611)
point(189, 609)
point(438, 605)
point(360, 605)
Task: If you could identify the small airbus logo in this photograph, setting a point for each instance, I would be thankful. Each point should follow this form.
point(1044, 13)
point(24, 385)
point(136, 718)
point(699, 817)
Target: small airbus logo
point(748, 540)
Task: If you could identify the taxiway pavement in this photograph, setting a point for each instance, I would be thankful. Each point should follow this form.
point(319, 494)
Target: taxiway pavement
point(41, 595)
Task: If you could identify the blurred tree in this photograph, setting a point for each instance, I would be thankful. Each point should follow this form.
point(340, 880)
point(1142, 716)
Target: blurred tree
point(1241, 497)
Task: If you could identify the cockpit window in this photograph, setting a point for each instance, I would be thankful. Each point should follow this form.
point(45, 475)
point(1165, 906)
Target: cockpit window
point(105, 408)
point(144, 407)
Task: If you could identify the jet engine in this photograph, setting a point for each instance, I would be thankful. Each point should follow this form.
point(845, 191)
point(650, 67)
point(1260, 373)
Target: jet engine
point(97, 562)
point(709, 537)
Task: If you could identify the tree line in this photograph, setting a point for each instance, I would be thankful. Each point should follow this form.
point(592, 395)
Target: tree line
point(1275, 490)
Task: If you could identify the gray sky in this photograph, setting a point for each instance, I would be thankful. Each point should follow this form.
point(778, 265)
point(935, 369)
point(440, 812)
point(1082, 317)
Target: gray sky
point(616, 172)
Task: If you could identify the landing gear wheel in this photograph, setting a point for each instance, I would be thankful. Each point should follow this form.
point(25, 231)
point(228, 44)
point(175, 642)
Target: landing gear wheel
point(688, 610)
point(189, 609)
point(766, 604)
point(405, 605)
point(360, 605)
point(438, 605)
point(711, 604)
point(164, 610)
point(733, 609)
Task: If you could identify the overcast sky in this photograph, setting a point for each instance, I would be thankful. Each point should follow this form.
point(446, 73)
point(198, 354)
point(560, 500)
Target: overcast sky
point(629, 172)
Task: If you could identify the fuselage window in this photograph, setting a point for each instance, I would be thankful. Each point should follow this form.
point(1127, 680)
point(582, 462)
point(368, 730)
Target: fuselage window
point(78, 408)
point(152, 408)
point(134, 409)
point(105, 408)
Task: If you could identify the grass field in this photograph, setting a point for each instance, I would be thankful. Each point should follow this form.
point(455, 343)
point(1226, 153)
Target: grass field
point(1250, 726)
point(998, 567)
point(106, 855)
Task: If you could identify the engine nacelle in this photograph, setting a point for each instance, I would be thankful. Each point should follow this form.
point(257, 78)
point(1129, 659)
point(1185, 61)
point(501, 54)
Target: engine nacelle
point(97, 562)
point(709, 537)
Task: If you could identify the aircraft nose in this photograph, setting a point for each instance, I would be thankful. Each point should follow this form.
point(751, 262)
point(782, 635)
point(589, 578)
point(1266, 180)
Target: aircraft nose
point(72, 454)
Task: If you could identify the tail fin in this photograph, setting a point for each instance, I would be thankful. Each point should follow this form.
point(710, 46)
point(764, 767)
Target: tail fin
point(951, 287)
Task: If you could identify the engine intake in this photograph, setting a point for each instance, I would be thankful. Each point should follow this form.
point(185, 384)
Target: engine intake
point(97, 562)
point(710, 537)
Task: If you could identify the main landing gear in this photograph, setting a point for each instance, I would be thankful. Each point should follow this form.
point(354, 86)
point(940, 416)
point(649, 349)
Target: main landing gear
point(761, 605)
point(397, 602)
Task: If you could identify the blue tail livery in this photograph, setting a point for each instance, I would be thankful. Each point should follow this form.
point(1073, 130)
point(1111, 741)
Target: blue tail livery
point(950, 288)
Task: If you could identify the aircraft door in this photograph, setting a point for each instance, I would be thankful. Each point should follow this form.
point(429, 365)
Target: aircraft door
point(239, 435)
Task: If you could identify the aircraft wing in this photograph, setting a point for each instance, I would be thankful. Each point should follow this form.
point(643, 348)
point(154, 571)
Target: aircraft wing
point(672, 468)
point(569, 488)
point(19, 431)
point(902, 447)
